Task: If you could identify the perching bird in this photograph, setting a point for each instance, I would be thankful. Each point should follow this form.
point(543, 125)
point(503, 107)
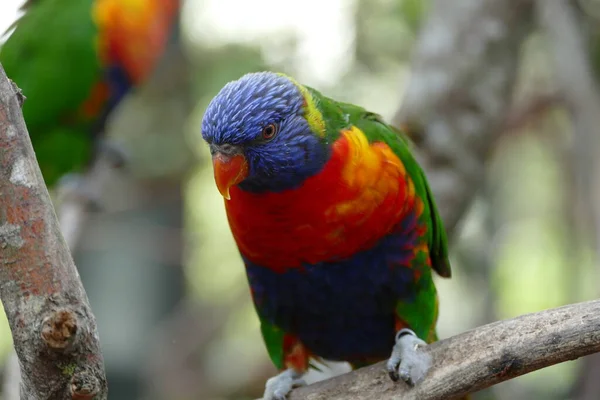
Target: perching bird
point(335, 223)
point(75, 60)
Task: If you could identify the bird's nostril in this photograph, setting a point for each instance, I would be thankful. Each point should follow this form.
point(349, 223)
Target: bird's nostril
point(225, 148)
point(229, 149)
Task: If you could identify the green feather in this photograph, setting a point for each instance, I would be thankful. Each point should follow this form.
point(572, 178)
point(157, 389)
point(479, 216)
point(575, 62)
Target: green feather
point(273, 338)
point(52, 57)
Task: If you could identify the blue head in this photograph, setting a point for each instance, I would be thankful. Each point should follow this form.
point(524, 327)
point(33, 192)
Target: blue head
point(259, 134)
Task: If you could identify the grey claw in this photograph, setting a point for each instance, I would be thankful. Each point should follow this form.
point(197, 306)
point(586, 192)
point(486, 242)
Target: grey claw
point(407, 362)
point(392, 368)
point(298, 383)
point(405, 376)
point(278, 396)
point(279, 386)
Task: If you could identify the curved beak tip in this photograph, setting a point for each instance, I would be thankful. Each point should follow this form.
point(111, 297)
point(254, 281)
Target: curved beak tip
point(229, 171)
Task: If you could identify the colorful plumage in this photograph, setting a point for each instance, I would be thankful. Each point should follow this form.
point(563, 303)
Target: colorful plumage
point(333, 218)
point(74, 61)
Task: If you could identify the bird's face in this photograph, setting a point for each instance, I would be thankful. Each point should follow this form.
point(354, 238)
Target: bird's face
point(259, 136)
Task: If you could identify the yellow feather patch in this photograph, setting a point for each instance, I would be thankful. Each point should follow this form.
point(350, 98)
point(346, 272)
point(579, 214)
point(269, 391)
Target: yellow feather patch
point(313, 115)
point(411, 189)
point(373, 170)
point(366, 161)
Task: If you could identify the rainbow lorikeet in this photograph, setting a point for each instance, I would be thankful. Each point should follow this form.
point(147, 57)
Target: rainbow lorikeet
point(335, 223)
point(75, 60)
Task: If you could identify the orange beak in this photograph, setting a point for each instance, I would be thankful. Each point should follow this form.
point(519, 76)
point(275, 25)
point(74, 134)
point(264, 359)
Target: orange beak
point(229, 171)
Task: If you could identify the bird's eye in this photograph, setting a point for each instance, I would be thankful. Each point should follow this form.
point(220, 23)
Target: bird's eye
point(269, 131)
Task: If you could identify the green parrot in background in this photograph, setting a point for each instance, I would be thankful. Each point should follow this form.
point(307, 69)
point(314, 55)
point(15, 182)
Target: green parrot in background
point(74, 61)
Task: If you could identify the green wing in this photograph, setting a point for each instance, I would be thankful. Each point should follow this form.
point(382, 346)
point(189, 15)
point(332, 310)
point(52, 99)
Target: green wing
point(420, 314)
point(52, 57)
point(377, 130)
point(273, 338)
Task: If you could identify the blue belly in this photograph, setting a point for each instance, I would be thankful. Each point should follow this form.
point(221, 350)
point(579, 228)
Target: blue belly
point(342, 310)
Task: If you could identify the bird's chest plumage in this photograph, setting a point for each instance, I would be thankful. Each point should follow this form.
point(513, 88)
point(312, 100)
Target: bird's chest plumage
point(360, 195)
point(329, 261)
point(342, 309)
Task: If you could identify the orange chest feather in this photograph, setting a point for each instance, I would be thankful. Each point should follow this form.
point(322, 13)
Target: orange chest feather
point(361, 193)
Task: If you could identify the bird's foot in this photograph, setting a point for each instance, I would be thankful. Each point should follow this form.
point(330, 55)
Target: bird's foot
point(408, 361)
point(279, 386)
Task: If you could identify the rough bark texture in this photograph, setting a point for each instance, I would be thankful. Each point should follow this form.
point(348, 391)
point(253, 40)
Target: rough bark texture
point(53, 328)
point(463, 73)
point(478, 358)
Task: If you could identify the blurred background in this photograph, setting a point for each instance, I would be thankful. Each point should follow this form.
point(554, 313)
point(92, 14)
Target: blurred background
point(158, 261)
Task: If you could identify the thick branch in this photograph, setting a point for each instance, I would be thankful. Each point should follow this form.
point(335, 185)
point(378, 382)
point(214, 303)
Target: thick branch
point(463, 73)
point(478, 358)
point(53, 328)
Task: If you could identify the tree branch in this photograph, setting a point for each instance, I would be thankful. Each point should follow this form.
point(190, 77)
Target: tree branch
point(53, 328)
point(463, 72)
point(478, 358)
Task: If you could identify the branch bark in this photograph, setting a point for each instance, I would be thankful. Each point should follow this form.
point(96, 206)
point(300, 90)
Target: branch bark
point(73, 211)
point(478, 358)
point(53, 328)
point(463, 72)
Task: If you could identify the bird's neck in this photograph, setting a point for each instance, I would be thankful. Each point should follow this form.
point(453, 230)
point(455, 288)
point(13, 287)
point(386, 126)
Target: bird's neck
point(304, 162)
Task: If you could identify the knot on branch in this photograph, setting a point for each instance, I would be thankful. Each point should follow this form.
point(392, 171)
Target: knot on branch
point(59, 330)
point(507, 366)
point(84, 385)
